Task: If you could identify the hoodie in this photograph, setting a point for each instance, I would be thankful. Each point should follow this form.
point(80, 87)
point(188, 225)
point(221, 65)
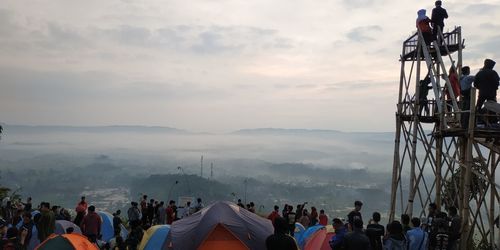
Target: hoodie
point(487, 79)
point(423, 22)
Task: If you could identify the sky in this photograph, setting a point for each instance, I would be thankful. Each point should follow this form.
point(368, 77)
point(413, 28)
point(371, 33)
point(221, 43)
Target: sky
point(217, 65)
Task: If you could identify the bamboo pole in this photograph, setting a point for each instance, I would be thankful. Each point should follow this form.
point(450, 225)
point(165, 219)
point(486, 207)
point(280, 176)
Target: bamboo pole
point(491, 218)
point(466, 227)
point(396, 164)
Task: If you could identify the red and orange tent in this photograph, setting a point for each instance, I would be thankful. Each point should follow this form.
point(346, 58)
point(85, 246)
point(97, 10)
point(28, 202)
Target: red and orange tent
point(66, 242)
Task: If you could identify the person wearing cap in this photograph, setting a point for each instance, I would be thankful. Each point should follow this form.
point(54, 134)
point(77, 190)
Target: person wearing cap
point(355, 214)
point(437, 18)
point(486, 81)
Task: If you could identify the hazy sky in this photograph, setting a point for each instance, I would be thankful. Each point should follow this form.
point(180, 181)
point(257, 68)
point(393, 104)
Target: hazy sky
point(217, 65)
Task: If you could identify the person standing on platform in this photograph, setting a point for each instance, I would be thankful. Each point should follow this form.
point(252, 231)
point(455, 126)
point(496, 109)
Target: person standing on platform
point(437, 18)
point(486, 81)
point(423, 24)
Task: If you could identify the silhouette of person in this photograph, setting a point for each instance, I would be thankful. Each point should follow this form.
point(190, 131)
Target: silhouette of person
point(437, 18)
point(423, 24)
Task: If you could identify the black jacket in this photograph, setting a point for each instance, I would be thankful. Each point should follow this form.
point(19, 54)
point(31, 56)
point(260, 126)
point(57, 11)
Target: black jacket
point(487, 79)
point(438, 16)
point(356, 240)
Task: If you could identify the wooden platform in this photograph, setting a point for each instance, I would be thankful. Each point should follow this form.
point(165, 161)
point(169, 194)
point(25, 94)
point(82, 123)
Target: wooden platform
point(411, 56)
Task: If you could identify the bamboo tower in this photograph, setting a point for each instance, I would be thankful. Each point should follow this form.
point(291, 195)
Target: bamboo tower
point(440, 154)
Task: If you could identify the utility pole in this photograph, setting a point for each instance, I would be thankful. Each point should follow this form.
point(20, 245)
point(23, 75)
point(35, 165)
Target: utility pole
point(201, 167)
point(212, 171)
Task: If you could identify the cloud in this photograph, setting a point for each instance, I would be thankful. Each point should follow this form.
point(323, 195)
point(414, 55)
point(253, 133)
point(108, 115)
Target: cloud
point(481, 9)
point(199, 39)
point(364, 33)
point(130, 35)
point(359, 3)
point(486, 49)
point(7, 25)
point(356, 85)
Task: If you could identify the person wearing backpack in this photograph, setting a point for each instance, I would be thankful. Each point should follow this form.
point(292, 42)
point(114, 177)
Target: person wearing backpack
point(417, 237)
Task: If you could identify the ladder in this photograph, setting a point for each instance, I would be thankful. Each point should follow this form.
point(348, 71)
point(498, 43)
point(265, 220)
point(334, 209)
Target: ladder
point(431, 66)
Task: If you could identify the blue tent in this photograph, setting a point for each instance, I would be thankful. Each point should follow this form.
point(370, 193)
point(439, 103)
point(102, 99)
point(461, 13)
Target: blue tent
point(107, 229)
point(155, 238)
point(304, 235)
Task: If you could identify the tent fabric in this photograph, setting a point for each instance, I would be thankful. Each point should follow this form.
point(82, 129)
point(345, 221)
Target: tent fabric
point(326, 242)
point(315, 241)
point(221, 238)
point(62, 225)
point(66, 242)
point(299, 232)
point(107, 229)
point(155, 238)
point(249, 228)
point(305, 235)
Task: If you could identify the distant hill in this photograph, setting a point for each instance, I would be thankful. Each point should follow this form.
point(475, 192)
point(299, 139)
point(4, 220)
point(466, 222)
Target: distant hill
point(91, 129)
point(283, 131)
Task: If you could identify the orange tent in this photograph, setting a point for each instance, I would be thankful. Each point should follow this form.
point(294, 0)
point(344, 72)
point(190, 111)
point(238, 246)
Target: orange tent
point(222, 225)
point(222, 238)
point(66, 242)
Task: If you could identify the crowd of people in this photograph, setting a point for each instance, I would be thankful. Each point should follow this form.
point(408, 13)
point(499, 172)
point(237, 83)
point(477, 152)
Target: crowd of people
point(23, 226)
point(486, 80)
point(438, 231)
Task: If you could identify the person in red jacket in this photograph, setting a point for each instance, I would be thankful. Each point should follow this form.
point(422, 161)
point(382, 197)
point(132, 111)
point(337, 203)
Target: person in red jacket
point(170, 212)
point(81, 210)
point(323, 218)
point(91, 225)
point(274, 214)
point(455, 84)
point(313, 216)
point(423, 24)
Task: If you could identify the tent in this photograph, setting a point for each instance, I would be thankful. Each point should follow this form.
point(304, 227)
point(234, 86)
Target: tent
point(107, 229)
point(66, 242)
point(316, 240)
point(222, 225)
point(62, 225)
point(298, 232)
point(155, 238)
point(304, 236)
point(326, 242)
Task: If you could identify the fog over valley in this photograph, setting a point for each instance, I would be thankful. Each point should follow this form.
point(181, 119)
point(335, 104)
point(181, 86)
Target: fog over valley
point(115, 164)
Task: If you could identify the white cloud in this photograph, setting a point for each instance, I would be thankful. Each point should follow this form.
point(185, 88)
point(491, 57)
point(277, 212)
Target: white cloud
point(282, 63)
